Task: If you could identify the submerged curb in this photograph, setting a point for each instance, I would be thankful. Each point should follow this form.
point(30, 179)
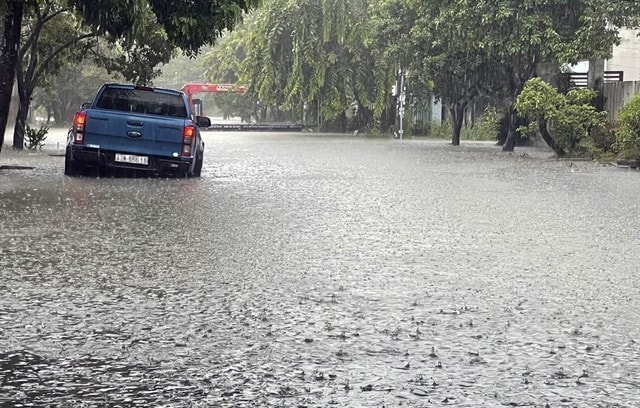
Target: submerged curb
point(9, 167)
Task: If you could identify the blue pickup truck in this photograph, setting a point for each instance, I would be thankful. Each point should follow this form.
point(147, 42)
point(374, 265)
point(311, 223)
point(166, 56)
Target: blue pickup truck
point(137, 128)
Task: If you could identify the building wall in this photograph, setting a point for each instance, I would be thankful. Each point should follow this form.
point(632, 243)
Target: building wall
point(626, 56)
point(13, 110)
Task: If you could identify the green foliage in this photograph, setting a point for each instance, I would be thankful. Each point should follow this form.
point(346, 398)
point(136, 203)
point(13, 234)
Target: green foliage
point(602, 142)
point(61, 95)
point(387, 35)
point(181, 70)
point(233, 104)
point(187, 24)
point(537, 99)
point(486, 128)
point(112, 18)
point(136, 59)
point(52, 37)
point(296, 53)
point(570, 118)
point(440, 130)
point(224, 62)
point(628, 130)
point(326, 54)
point(492, 47)
point(34, 138)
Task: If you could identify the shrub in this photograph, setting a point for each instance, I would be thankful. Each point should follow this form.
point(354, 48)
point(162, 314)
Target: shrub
point(628, 130)
point(440, 130)
point(601, 142)
point(486, 128)
point(34, 139)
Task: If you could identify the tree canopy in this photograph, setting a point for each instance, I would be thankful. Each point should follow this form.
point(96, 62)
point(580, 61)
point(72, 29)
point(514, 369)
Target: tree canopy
point(327, 58)
point(329, 54)
point(307, 57)
point(565, 121)
point(187, 24)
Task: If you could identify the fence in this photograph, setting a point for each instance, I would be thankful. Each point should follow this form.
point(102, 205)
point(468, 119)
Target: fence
point(617, 94)
point(581, 79)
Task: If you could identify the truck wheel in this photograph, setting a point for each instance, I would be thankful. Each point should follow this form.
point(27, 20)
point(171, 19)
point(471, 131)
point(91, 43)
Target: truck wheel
point(71, 167)
point(197, 168)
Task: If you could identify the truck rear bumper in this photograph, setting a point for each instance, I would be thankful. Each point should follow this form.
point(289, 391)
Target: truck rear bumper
point(105, 158)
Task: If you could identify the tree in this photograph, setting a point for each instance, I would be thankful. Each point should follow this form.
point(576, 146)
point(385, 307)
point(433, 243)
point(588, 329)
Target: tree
point(61, 95)
point(565, 121)
point(12, 14)
point(55, 39)
point(388, 38)
point(222, 64)
point(311, 54)
point(492, 47)
point(52, 37)
point(181, 70)
point(188, 24)
point(459, 71)
point(519, 35)
point(136, 58)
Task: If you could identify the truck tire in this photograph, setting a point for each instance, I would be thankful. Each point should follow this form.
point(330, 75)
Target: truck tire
point(71, 167)
point(197, 168)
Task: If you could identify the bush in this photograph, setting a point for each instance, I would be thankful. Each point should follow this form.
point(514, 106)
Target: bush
point(34, 139)
point(440, 130)
point(628, 130)
point(601, 142)
point(486, 128)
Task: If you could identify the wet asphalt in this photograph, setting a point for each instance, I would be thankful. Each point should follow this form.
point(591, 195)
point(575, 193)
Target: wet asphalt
point(307, 270)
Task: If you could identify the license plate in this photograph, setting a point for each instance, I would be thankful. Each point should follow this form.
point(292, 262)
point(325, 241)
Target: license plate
point(131, 158)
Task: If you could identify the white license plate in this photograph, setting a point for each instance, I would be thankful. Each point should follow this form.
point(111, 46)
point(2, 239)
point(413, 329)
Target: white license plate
point(131, 158)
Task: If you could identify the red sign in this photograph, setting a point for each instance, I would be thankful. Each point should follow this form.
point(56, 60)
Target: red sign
point(191, 89)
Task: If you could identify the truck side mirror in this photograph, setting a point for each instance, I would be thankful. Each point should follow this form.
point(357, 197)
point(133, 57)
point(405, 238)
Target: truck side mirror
point(203, 121)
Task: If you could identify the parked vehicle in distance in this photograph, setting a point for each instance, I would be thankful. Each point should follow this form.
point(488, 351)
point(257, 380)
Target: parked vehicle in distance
point(138, 128)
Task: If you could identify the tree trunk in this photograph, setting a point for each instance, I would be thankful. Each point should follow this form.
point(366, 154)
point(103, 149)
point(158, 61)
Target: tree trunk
point(503, 129)
point(59, 115)
point(341, 123)
point(457, 119)
point(546, 136)
point(510, 143)
point(12, 23)
point(21, 119)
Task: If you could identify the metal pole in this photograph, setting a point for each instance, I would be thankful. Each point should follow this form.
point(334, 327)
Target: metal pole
point(402, 100)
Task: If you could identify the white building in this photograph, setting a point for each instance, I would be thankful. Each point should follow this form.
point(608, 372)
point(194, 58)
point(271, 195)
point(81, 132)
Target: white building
point(626, 56)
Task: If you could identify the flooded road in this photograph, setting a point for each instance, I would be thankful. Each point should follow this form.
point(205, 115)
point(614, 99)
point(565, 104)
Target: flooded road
point(314, 271)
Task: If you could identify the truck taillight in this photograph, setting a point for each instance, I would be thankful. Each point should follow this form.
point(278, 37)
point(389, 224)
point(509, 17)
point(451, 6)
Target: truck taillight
point(188, 135)
point(79, 122)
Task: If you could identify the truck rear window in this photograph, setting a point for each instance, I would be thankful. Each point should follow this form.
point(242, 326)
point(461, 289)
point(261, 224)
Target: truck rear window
point(142, 101)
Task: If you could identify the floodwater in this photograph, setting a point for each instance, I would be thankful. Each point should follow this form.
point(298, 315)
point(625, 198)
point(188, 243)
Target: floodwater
point(305, 270)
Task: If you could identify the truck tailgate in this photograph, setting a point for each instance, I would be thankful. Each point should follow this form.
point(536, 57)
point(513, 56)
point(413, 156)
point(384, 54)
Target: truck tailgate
point(133, 133)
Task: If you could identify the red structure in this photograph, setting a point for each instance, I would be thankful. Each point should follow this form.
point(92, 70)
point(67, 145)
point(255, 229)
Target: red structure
point(196, 104)
point(192, 89)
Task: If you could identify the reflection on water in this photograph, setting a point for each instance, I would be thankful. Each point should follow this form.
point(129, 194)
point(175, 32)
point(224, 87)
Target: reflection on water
point(30, 379)
point(311, 271)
